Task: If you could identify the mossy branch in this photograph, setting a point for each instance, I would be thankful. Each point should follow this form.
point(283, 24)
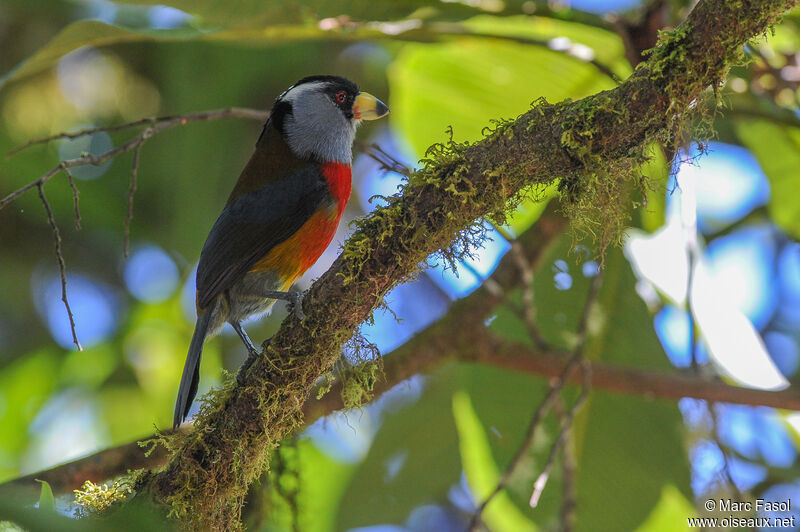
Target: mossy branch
point(593, 146)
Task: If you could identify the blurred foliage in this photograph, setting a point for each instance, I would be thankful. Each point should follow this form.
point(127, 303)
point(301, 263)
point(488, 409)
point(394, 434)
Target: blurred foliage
point(68, 65)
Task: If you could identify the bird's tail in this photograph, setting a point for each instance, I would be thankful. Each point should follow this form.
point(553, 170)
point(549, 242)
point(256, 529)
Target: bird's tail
point(191, 369)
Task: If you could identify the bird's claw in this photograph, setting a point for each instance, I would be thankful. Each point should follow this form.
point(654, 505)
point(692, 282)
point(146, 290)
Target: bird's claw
point(296, 304)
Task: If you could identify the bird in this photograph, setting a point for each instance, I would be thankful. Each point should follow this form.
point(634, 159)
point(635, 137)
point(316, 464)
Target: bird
point(281, 214)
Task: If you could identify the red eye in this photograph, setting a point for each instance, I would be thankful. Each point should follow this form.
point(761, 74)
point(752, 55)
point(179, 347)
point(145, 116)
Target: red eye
point(341, 96)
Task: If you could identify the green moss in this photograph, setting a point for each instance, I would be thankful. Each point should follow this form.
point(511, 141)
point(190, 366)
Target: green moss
point(95, 499)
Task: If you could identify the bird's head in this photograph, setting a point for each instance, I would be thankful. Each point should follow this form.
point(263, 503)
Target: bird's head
point(318, 116)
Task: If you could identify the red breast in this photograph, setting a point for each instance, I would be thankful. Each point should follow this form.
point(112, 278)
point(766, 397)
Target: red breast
point(298, 253)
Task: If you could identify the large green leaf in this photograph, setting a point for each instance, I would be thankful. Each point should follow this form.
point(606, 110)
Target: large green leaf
point(257, 13)
point(619, 482)
point(466, 83)
point(469, 82)
point(777, 149)
point(323, 482)
point(96, 34)
point(670, 513)
point(481, 471)
point(423, 444)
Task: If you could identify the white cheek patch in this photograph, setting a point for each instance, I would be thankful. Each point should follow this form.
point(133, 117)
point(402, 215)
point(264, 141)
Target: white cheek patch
point(296, 91)
point(317, 128)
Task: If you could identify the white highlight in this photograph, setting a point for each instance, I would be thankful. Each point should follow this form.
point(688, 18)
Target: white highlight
point(734, 345)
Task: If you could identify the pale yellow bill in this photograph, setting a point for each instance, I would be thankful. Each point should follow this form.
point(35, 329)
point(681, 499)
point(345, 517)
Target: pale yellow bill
point(368, 107)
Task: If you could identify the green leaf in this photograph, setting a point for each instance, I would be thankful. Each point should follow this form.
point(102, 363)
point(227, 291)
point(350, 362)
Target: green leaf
point(323, 483)
point(28, 383)
point(424, 441)
point(257, 13)
point(656, 170)
point(470, 81)
point(777, 149)
point(46, 500)
point(670, 513)
point(466, 83)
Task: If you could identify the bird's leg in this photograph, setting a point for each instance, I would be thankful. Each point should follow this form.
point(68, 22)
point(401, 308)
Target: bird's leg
point(251, 349)
point(295, 300)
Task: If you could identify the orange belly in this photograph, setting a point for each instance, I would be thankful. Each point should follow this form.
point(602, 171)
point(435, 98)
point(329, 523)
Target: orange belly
point(292, 257)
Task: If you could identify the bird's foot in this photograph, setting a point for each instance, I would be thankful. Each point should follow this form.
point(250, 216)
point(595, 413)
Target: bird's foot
point(251, 350)
point(242, 373)
point(296, 304)
point(295, 300)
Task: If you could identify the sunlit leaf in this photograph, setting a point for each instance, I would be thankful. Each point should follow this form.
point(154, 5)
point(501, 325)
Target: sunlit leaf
point(423, 440)
point(323, 484)
point(670, 513)
point(467, 83)
point(777, 149)
point(481, 470)
point(46, 500)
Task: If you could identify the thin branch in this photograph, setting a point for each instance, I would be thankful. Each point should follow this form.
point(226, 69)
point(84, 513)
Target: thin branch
point(75, 200)
point(401, 365)
point(554, 387)
point(131, 191)
point(564, 431)
point(528, 304)
point(61, 266)
point(228, 112)
point(387, 161)
point(159, 124)
point(568, 500)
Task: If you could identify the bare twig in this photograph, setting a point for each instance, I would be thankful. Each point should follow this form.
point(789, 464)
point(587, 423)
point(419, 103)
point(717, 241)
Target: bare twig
point(229, 112)
point(553, 389)
point(538, 415)
point(159, 124)
point(564, 431)
point(568, 501)
point(131, 191)
point(61, 267)
point(388, 162)
point(75, 199)
point(528, 304)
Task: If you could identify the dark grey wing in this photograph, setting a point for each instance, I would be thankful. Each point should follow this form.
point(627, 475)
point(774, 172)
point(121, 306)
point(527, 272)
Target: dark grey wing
point(254, 223)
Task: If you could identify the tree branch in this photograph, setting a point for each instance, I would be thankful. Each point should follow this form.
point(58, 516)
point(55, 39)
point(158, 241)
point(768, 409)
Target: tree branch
point(115, 461)
point(157, 125)
point(435, 347)
point(209, 471)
